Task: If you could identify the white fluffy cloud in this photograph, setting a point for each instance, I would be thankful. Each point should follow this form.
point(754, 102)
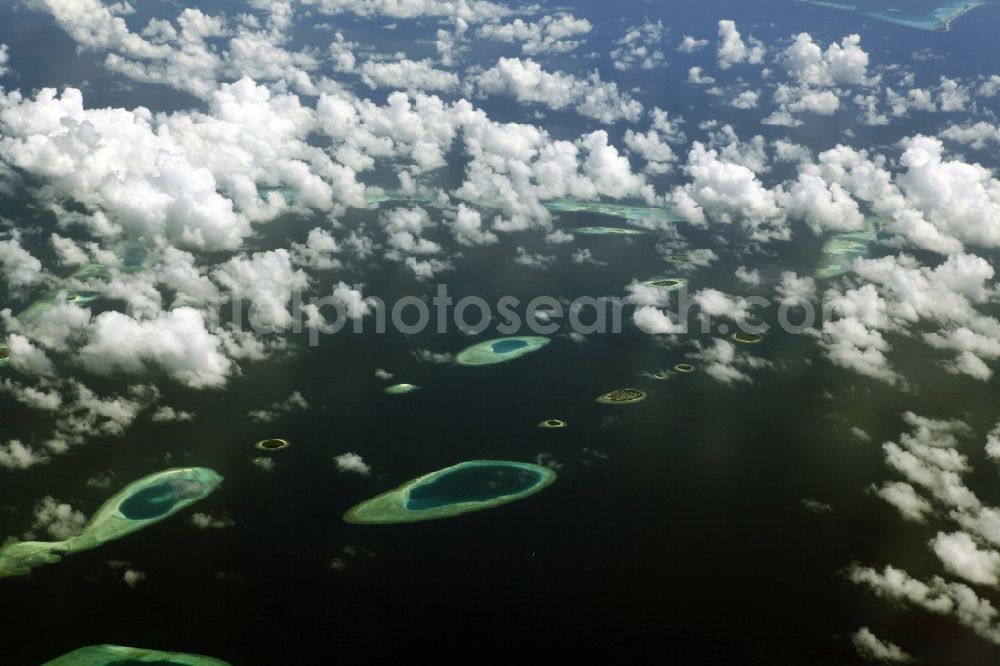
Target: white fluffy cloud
point(526, 81)
point(352, 462)
point(176, 342)
point(58, 519)
point(556, 33)
point(872, 647)
point(407, 75)
point(733, 50)
point(961, 556)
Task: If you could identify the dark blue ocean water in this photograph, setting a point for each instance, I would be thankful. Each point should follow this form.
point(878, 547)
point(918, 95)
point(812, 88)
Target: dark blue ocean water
point(675, 532)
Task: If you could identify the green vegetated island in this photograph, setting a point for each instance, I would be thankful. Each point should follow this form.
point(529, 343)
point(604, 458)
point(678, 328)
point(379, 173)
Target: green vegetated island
point(117, 655)
point(140, 504)
point(625, 396)
point(500, 350)
point(469, 486)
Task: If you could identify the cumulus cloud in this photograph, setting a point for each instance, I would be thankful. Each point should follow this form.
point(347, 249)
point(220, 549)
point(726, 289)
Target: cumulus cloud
point(407, 75)
point(733, 50)
point(58, 519)
point(872, 647)
point(352, 462)
point(16, 455)
point(840, 64)
point(722, 362)
point(176, 342)
point(961, 556)
point(689, 44)
point(526, 81)
point(726, 192)
point(552, 33)
point(210, 521)
point(639, 47)
point(294, 402)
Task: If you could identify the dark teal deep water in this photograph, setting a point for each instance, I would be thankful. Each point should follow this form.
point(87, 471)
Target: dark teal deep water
point(475, 483)
point(150, 502)
point(506, 346)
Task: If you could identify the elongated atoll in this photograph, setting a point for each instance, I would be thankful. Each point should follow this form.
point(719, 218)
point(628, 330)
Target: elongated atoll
point(938, 18)
point(500, 350)
point(400, 389)
point(118, 655)
point(552, 424)
point(686, 368)
point(607, 231)
point(140, 504)
point(625, 396)
point(624, 211)
point(469, 486)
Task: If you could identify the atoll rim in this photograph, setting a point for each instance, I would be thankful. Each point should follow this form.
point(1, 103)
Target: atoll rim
point(552, 424)
point(273, 444)
point(686, 368)
point(139, 504)
point(679, 258)
point(469, 486)
point(747, 338)
point(625, 396)
point(400, 389)
point(118, 655)
point(4, 355)
point(500, 350)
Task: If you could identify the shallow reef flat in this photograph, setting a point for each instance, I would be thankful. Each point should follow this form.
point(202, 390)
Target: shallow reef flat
point(500, 350)
point(107, 655)
point(631, 213)
point(469, 486)
point(840, 251)
point(140, 504)
point(922, 14)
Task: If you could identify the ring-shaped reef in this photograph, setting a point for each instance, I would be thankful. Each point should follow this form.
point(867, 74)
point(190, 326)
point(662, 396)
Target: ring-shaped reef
point(469, 486)
point(747, 338)
point(679, 258)
point(686, 368)
point(667, 283)
point(118, 655)
point(400, 389)
point(500, 350)
point(141, 503)
point(552, 424)
point(625, 396)
point(272, 444)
